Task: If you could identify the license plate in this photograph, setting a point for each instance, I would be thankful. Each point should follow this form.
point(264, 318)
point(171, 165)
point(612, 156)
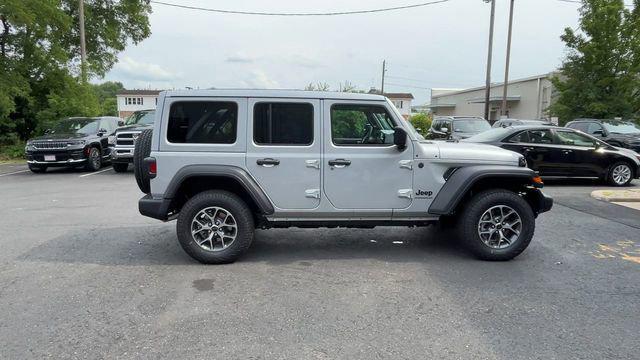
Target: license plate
point(49, 158)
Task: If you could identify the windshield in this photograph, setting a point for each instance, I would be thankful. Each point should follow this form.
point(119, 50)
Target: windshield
point(78, 125)
point(141, 118)
point(622, 127)
point(470, 125)
point(490, 135)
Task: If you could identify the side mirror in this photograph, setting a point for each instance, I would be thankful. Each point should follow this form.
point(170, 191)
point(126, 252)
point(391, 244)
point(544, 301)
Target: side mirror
point(444, 130)
point(400, 138)
point(47, 131)
point(102, 131)
point(120, 123)
point(598, 132)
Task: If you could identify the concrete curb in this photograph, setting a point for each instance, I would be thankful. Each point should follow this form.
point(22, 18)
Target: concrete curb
point(632, 195)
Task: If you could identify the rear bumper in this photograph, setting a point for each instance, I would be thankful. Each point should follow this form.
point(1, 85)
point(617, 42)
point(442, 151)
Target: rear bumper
point(154, 208)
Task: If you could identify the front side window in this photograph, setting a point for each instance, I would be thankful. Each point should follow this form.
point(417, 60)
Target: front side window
point(361, 125)
point(574, 139)
point(283, 124)
point(593, 128)
point(540, 137)
point(203, 122)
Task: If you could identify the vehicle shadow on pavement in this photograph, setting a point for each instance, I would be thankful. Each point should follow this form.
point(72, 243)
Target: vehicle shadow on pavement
point(393, 244)
point(142, 246)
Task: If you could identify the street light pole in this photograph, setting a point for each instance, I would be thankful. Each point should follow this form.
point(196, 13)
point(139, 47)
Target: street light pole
point(384, 70)
point(83, 50)
point(488, 85)
point(503, 109)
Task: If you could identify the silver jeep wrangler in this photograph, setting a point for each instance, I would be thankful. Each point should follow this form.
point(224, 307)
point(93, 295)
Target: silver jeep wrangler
point(225, 162)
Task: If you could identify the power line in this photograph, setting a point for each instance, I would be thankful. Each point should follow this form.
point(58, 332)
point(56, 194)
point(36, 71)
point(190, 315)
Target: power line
point(332, 13)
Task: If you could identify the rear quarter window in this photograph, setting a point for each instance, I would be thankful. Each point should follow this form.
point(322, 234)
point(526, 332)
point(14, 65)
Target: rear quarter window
point(203, 122)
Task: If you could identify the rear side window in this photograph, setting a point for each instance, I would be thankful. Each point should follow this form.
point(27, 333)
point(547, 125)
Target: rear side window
point(283, 124)
point(203, 122)
point(540, 137)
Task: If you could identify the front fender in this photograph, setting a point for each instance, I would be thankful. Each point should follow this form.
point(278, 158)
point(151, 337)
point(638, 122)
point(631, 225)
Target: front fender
point(464, 178)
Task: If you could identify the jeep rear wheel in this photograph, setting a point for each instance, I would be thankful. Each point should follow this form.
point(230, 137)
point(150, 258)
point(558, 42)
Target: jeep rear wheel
point(497, 225)
point(215, 227)
point(142, 150)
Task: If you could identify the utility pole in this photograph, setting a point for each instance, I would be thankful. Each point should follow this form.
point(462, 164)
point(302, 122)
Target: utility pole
point(490, 53)
point(503, 109)
point(384, 70)
point(83, 50)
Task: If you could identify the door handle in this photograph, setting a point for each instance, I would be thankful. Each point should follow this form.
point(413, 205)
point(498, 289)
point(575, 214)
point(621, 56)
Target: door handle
point(527, 149)
point(268, 162)
point(566, 151)
point(339, 163)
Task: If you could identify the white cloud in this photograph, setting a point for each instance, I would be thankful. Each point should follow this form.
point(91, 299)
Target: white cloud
point(133, 70)
point(240, 58)
point(260, 80)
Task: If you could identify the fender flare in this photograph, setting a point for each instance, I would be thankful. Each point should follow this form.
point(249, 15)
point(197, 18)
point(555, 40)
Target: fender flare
point(463, 179)
point(225, 171)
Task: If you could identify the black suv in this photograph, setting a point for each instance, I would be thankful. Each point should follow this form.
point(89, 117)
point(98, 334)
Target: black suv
point(73, 142)
point(456, 127)
point(625, 134)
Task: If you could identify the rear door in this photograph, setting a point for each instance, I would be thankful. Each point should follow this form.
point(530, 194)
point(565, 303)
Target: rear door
point(283, 150)
point(537, 147)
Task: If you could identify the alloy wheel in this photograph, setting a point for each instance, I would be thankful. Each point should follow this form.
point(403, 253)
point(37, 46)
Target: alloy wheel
point(621, 174)
point(214, 228)
point(499, 227)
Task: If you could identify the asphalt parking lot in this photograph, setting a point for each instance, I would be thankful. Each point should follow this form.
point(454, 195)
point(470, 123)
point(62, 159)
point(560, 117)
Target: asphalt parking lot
point(83, 275)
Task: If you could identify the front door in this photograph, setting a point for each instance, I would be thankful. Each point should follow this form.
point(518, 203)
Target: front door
point(362, 167)
point(283, 150)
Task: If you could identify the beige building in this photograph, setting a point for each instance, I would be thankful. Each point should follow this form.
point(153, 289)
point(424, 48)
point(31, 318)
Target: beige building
point(527, 98)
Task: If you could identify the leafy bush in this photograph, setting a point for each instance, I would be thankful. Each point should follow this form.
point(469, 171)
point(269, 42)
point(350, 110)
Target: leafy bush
point(12, 152)
point(422, 122)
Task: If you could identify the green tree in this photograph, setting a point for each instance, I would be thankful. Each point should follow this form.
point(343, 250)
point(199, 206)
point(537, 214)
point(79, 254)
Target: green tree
point(600, 76)
point(39, 57)
point(106, 93)
point(422, 122)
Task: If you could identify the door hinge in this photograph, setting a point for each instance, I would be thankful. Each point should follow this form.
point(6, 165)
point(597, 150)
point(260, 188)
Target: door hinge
point(406, 164)
point(312, 164)
point(312, 193)
point(405, 193)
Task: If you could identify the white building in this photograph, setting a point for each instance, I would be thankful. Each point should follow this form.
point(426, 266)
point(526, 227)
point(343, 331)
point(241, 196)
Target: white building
point(134, 100)
point(527, 98)
point(402, 101)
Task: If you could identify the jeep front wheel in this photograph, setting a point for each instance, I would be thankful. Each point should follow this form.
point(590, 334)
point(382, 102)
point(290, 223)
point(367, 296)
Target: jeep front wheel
point(215, 227)
point(497, 225)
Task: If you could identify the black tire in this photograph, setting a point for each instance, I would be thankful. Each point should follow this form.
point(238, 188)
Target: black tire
point(38, 169)
point(140, 152)
point(243, 220)
point(120, 167)
point(94, 159)
point(611, 178)
point(469, 223)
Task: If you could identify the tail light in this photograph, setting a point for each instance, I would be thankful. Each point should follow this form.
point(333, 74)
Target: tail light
point(152, 167)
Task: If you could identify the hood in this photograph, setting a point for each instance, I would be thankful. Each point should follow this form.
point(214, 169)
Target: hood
point(135, 127)
point(626, 137)
point(60, 136)
point(472, 152)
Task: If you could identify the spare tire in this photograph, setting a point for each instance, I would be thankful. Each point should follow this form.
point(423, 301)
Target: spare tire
point(141, 151)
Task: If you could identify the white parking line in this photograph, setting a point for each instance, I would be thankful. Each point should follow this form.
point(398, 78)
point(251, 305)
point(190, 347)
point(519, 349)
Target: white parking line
point(97, 172)
point(15, 172)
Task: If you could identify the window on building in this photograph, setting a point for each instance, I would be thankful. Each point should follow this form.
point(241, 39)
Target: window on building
point(283, 124)
point(203, 122)
point(361, 125)
point(133, 100)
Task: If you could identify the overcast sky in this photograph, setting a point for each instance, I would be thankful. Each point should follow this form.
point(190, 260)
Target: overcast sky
point(442, 45)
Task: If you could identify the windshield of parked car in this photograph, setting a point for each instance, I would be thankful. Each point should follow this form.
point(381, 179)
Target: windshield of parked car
point(76, 125)
point(494, 134)
point(622, 127)
point(470, 125)
point(141, 118)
